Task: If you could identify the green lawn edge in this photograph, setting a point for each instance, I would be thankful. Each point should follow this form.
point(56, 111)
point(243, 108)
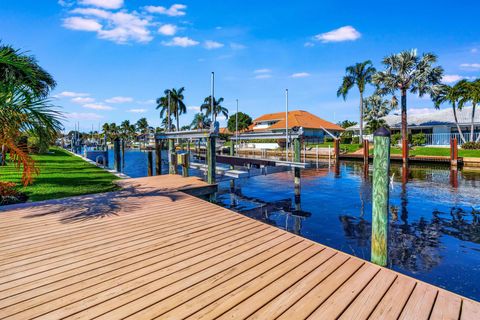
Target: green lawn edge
point(61, 175)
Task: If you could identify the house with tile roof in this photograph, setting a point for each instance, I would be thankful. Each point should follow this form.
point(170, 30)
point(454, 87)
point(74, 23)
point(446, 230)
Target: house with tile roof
point(313, 126)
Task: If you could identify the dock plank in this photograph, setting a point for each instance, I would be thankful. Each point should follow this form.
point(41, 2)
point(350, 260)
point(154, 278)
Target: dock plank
point(153, 251)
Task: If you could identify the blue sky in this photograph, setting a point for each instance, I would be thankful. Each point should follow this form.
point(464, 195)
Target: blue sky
point(112, 58)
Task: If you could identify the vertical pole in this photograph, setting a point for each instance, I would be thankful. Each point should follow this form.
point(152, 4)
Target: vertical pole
point(232, 152)
point(336, 149)
point(236, 125)
point(158, 157)
point(123, 154)
point(316, 154)
point(117, 164)
point(172, 161)
point(286, 124)
point(149, 163)
point(296, 171)
point(366, 149)
point(212, 99)
point(185, 164)
point(454, 152)
point(405, 152)
point(211, 160)
point(380, 196)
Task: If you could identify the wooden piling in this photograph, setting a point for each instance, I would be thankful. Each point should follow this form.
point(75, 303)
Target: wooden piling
point(232, 153)
point(158, 157)
point(380, 196)
point(366, 149)
point(405, 152)
point(117, 164)
point(172, 158)
point(211, 160)
point(453, 152)
point(149, 163)
point(296, 158)
point(336, 146)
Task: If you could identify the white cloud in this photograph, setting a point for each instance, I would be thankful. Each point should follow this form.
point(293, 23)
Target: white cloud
point(180, 42)
point(210, 44)
point(450, 78)
point(151, 101)
point(309, 44)
point(82, 100)
point(474, 50)
point(82, 24)
point(137, 110)
point(120, 27)
point(97, 106)
point(300, 75)
point(83, 116)
point(107, 4)
point(263, 76)
point(168, 29)
point(346, 33)
point(237, 46)
point(119, 100)
point(194, 108)
point(265, 70)
point(470, 66)
point(70, 94)
point(175, 10)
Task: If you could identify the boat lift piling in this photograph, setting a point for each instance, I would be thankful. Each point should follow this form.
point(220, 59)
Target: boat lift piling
point(158, 157)
point(380, 196)
point(117, 164)
point(149, 163)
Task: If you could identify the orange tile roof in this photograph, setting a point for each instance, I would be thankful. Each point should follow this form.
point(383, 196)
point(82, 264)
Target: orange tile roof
point(296, 118)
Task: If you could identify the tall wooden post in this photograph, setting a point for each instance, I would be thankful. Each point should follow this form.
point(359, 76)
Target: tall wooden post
point(405, 152)
point(232, 152)
point(158, 157)
point(172, 158)
point(380, 196)
point(453, 152)
point(336, 147)
point(211, 160)
point(366, 149)
point(149, 163)
point(123, 153)
point(296, 171)
point(117, 164)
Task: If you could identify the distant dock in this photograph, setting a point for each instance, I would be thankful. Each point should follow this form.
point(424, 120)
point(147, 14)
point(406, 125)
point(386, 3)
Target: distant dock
point(153, 251)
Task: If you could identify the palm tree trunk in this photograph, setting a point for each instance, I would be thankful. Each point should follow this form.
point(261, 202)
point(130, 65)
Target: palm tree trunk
point(456, 122)
point(472, 125)
point(361, 118)
point(404, 129)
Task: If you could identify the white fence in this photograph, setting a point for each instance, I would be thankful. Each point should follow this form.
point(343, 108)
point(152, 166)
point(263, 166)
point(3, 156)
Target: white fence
point(443, 139)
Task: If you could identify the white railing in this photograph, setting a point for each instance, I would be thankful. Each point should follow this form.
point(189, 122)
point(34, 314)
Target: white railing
point(443, 139)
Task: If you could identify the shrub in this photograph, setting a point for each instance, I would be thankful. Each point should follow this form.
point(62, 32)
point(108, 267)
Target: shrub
point(10, 195)
point(419, 139)
point(471, 145)
point(345, 140)
point(328, 139)
point(355, 140)
point(395, 138)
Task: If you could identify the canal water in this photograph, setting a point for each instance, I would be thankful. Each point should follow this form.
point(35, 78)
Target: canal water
point(434, 232)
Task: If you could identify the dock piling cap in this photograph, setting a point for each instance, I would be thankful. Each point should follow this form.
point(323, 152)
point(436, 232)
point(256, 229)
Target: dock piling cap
point(382, 132)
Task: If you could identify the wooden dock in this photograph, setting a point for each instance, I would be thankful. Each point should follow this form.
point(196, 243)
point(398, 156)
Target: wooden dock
point(151, 251)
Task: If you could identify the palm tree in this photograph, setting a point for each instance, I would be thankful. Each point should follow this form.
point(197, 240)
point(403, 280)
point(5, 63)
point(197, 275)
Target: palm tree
point(408, 72)
point(360, 75)
point(142, 126)
point(24, 106)
point(106, 132)
point(451, 95)
point(200, 121)
point(217, 108)
point(177, 106)
point(375, 109)
point(470, 92)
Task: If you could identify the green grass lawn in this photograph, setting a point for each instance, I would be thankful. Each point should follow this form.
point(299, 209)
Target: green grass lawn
point(432, 151)
point(61, 175)
point(344, 147)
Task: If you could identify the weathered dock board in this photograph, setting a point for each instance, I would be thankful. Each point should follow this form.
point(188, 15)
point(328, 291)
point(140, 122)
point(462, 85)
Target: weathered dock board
point(151, 251)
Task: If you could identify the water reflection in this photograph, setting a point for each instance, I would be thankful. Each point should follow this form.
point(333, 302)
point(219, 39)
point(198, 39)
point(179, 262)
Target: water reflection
point(434, 230)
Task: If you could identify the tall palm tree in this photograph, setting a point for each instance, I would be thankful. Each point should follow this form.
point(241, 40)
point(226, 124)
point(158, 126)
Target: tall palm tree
point(408, 72)
point(106, 132)
point(470, 92)
point(358, 75)
point(143, 127)
point(200, 121)
point(217, 108)
point(24, 106)
point(451, 95)
point(177, 106)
